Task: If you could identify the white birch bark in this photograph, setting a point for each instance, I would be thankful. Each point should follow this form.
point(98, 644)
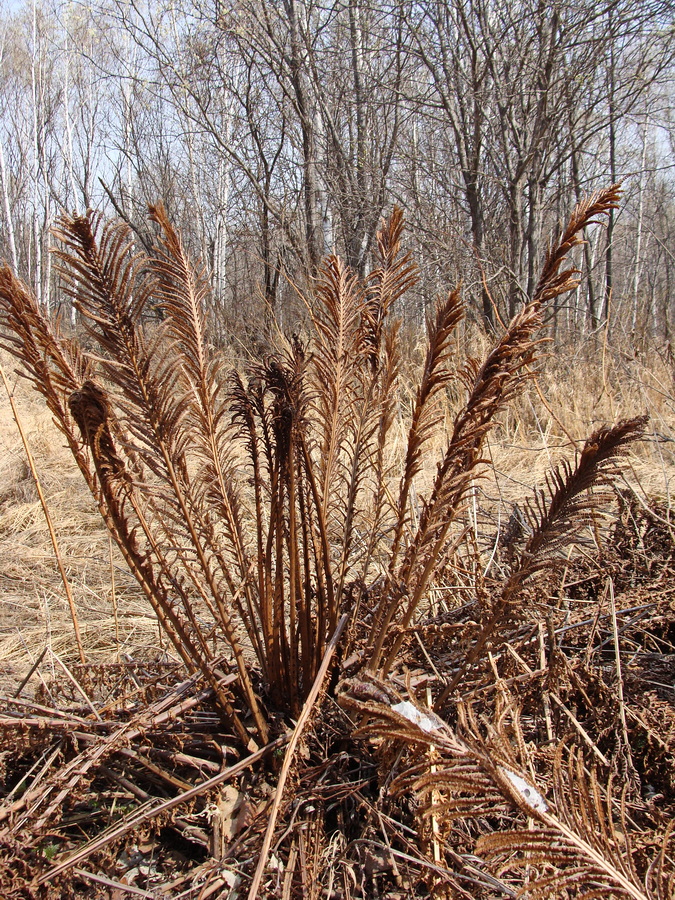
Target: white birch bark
point(224, 184)
point(8, 210)
point(69, 125)
point(7, 205)
point(638, 237)
point(37, 231)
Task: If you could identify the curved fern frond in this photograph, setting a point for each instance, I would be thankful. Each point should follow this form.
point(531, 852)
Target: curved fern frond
point(334, 370)
point(436, 374)
point(555, 516)
point(591, 210)
point(181, 294)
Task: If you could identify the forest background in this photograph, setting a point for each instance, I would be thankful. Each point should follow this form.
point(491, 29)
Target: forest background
point(277, 132)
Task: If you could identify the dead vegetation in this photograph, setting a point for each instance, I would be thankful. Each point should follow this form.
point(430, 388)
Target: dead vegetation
point(371, 685)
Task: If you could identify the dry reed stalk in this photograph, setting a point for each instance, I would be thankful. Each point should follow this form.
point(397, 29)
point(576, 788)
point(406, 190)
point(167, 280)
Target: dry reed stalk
point(113, 598)
point(619, 676)
point(116, 886)
point(48, 520)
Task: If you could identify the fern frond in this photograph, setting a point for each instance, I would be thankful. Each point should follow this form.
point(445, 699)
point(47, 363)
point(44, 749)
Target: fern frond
point(660, 877)
point(111, 286)
point(492, 385)
point(353, 371)
point(578, 843)
point(436, 374)
point(59, 371)
point(334, 371)
point(387, 283)
point(54, 365)
point(555, 516)
point(553, 281)
point(120, 504)
point(105, 278)
point(103, 275)
point(377, 485)
point(181, 294)
point(579, 835)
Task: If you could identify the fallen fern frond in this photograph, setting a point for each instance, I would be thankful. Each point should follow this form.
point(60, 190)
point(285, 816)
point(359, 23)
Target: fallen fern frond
point(575, 842)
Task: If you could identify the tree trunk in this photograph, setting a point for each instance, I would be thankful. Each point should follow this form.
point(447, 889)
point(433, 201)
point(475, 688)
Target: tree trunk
point(309, 150)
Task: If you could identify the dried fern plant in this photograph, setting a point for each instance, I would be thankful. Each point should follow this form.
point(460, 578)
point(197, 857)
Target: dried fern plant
point(575, 843)
point(255, 509)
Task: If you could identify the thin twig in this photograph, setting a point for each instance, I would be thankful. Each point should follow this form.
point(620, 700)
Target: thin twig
point(116, 885)
point(545, 697)
point(78, 687)
point(582, 731)
point(30, 673)
point(113, 597)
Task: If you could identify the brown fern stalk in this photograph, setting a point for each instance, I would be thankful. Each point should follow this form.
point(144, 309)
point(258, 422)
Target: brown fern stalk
point(365, 403)
point(372, 415)
point(436, 374)
point(335, 363)
point(579, 837)
point(156, 429)
point(387, 383)
point(54, 366)
point(247, 410)
point(555, 516)
point(105, 293)
point(288, 422)
point(491, 386)
point(91, 410)
point(395, 274)
point(182, 294)
point(589, 211)
point(298, 598)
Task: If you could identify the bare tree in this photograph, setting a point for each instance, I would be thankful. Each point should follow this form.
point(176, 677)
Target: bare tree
point(525, 89)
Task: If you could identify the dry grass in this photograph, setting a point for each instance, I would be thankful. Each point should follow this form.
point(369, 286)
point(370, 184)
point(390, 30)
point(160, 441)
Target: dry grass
point(34, 613)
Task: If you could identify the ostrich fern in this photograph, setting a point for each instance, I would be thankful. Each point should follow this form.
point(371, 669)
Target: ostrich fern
point(254, 509)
